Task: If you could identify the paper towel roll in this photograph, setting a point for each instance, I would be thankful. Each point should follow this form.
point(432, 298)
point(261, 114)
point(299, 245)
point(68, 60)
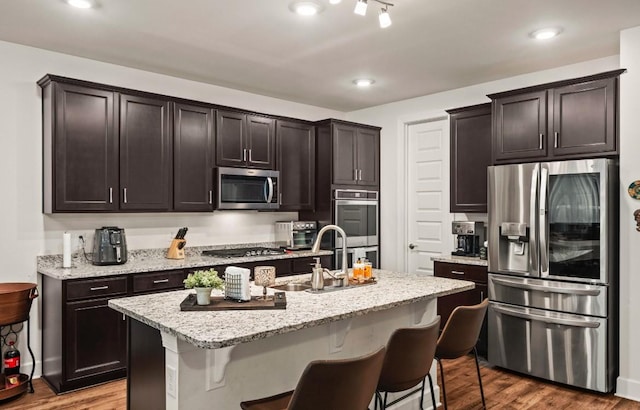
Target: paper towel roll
point(66, 250)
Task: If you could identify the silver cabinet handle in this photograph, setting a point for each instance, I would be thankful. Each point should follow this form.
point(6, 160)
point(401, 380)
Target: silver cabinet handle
point(555, 139)
point(250, 155)
point(160, 281)
point(540, 143)
point(280, 199)
point(110, 195)
point(355, 174)
point(244, 155)
point(124, 317)
point(481, 296)
point(99, 288)
point(457, 272)
point(359, 175)
point(210, 196)
point(124, 195)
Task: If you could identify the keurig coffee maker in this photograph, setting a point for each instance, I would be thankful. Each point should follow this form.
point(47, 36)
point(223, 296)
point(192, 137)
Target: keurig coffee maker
point(470, 237)
point(109, 246)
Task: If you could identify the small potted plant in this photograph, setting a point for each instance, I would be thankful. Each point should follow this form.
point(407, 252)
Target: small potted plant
point(203, 281)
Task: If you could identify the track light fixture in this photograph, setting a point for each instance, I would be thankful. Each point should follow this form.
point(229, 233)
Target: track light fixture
point(361, 9)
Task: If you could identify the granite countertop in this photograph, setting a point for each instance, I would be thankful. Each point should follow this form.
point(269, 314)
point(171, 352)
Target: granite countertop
point(151, 260)
point(215, 329)
point(464, 260)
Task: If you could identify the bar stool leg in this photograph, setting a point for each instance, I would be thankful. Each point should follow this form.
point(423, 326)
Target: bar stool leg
point(433, 395)
point(444, 390)
point(475, 354)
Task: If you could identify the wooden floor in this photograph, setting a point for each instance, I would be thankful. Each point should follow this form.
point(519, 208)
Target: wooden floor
point(503, 390)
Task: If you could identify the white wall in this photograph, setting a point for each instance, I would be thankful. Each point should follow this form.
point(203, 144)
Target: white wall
point(629, 380)
point(26, 232)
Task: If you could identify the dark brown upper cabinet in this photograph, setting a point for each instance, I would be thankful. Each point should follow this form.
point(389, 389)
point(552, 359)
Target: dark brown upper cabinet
point(80, 148)
point(356, 155)
point(470, 156)
point(563, 120)
point(145, 154)
point(193, 158)
point(295, 159)
point(245, 140)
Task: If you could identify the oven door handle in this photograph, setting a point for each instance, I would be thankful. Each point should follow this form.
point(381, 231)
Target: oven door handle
point(269, 191)
point(546, 289)
point(545, 319)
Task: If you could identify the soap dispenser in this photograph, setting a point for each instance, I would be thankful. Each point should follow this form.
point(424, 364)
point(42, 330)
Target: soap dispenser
point(317, 278)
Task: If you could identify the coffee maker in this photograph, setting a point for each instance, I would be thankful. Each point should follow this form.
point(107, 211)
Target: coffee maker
point(109, 246)
point(470, 238)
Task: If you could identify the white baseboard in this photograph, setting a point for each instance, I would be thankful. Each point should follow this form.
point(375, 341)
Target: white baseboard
point(628, 388)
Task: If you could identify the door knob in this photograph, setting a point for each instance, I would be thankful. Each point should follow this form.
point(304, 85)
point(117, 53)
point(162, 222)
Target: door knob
point(411, 246)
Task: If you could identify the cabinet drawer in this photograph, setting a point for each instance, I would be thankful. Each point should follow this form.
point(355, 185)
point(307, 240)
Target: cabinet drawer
point(94, 288)
point(460, 271)
point(156, 281)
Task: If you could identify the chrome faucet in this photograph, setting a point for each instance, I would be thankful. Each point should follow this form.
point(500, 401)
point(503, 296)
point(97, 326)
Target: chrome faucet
point(344, 273)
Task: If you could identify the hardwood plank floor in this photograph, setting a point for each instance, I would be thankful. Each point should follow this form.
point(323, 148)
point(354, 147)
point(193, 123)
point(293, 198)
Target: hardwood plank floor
point(503, 390)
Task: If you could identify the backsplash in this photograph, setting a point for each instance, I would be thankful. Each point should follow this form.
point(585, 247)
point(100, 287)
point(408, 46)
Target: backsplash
point(147, 231)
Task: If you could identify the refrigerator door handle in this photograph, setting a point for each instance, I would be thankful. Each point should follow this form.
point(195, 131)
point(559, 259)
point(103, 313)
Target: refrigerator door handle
point(544, 248)
point(546, 289)
point(533, 243)
point(545, 319)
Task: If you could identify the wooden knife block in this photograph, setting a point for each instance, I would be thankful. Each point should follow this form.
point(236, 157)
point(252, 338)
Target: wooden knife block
point(176, 249)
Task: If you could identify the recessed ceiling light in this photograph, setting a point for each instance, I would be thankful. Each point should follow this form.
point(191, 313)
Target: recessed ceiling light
point(306, 8)
point(81, 4)
point(363, 82)
point(545, 33)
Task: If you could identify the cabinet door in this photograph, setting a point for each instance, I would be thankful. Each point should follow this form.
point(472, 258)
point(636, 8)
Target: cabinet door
point(470, 157)
point(344, 154)
point(296, 163)
point(519, 126)
point(96, 339)
point(368, 156)
point(193, 158)
point(231, 148)
point(261, 139)
point(85, 150)
point(145, 154)
point(584, 118)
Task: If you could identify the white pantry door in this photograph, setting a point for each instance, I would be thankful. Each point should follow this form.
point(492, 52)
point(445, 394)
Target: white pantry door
point(428, 217)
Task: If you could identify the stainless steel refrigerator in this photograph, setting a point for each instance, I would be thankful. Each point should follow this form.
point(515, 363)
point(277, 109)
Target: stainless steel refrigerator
point(553, 269)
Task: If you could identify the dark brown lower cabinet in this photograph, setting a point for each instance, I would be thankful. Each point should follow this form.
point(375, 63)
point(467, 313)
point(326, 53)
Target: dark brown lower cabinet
point(446, 304)
point(84, 342)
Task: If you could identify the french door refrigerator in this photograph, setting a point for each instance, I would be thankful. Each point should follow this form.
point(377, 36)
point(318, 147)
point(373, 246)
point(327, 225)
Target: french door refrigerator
point(553, 269)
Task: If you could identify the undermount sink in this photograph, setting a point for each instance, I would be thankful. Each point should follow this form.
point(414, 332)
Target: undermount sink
point(292, 287)
point(297, 287)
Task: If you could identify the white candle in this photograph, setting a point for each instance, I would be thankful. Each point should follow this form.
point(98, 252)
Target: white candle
point(66, 250)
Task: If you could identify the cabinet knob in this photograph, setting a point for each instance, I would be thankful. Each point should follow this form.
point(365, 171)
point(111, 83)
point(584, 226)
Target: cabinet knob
point(412, 246)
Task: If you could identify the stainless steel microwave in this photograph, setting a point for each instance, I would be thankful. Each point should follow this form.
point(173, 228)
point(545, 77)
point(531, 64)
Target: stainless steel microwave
point(243, 188)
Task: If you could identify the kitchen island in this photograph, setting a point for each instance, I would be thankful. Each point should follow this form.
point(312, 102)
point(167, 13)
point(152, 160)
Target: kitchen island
point(218, 359)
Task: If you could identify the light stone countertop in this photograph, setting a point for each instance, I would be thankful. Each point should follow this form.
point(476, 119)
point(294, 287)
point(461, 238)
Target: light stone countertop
point(216, 329)
point(464, 260)
point(152, 260)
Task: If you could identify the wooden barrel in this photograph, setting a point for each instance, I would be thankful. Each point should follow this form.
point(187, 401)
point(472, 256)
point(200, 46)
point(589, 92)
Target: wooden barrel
point(15, 301)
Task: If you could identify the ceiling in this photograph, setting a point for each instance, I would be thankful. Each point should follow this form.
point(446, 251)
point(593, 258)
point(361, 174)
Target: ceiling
point(261, 47)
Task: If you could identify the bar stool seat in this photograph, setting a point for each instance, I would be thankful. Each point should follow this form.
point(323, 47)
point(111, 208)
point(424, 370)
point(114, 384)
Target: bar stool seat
point(346, 384)
point(410, 354)
point(459, 337)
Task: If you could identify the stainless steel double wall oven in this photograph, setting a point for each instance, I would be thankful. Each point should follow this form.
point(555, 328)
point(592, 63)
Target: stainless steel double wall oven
point(356, 212)
point(553, 271)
